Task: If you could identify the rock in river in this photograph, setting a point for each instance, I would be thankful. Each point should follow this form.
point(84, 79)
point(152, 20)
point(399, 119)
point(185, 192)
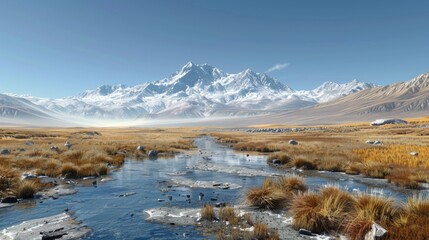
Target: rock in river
point(153, 154)
point(10, 199)
point(52, 227)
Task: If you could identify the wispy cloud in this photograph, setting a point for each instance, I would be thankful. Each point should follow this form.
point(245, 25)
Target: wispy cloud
point(277, 67)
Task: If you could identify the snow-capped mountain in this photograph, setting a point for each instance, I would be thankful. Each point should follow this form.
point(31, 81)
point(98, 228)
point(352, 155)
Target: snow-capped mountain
point(196, 91)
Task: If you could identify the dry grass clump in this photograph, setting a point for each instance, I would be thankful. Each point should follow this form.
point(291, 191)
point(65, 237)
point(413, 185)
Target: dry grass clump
point(354, 168)
point(331, 164)
point(358, 228)
point(228, 214)
point(376, 170)
point(323, 212)
point(305, 211)
point(403, 178)
point(275, 194)
point(69, 170)
point(260, 231)
point(376, 208)
point(267, 198)
point(414, 222)
point(102, 169)
point(303, 163)
point(87, 170)
point(26, 189)
point(292, 184)
point(50, 168)
point(255, 147)
point(333, 210)
point(281, 158)
point(369, 209)
point(418, 205)
point(207, 212)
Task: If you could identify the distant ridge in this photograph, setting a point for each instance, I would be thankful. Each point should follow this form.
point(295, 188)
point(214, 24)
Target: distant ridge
point(399, 100)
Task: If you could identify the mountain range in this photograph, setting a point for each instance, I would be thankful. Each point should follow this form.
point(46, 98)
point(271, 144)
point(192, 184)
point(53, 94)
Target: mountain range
point(202, 91)
point(193, 91)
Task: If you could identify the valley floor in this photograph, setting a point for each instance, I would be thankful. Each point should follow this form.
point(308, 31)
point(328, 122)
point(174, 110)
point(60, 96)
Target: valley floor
point(396, 154)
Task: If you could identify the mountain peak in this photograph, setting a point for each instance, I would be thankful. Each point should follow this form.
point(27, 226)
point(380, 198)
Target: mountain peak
point(188, 65)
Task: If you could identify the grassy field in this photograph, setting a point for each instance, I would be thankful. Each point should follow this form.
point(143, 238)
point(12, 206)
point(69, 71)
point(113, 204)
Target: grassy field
point(93, 152)
point(402, 158)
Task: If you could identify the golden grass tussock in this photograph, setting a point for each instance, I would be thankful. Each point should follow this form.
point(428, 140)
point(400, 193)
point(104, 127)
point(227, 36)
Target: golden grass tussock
point(207, 212)
point(267, 198)
point(418, 205)
point(358, 228)
point(50, 168)
point(260, 231)
point(228, 214)
point(102, 169)
point(293, 184)
point(69, 170)
point(26, 189)
point(275, 193)
point(376, 170)
point(87, 170)
point(302, 163)
point(404, 178)
point(322, 212)
point(305, 212)
point(377, 209)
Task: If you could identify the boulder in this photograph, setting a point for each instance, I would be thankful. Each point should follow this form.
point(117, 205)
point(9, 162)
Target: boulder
point(4, 151)
point(55, 148)
point(414, 153)
point(68, 145)
point(369, 142)
point(293, 142)
point(380, 122)
point(29, 143)
point(26, 176)
point(376, 232)
point(140, 148)
point(153, 154)
point(276, 161)
point(376, 142)
point(10, 199)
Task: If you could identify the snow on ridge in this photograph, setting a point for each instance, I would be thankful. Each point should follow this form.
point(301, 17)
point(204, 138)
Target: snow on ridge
point(196, 90)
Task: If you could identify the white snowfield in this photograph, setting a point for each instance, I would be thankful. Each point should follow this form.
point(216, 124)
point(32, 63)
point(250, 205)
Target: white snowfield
point(196, 91)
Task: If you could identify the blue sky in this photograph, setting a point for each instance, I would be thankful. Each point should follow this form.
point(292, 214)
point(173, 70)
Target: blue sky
point(60, 48)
